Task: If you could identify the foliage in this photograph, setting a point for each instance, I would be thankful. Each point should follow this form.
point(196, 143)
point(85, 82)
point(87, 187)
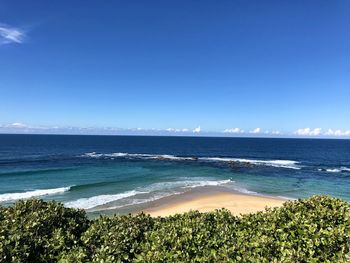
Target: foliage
point(116, 239)
point(38, 231)
point(310, 230)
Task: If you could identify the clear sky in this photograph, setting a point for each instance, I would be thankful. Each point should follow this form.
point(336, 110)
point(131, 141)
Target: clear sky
point(244, 67)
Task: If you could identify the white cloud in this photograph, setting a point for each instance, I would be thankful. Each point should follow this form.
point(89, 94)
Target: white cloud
point(233, 130)
point(197, 130)
point(17, 125)
point(11, 35)
point(308, 132)
point(256, 130)
point(331, 132)
point(276, 132)
point(272, 132)
point(177, 130)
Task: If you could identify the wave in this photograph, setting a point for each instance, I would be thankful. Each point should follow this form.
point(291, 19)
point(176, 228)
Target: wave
point(137, 156)
point(140, 201)
point(274, 163)
point(91, 202)
point(210, 183)
point(157, 190)
point(342, 169)
point(26, 195)
point(183, 184)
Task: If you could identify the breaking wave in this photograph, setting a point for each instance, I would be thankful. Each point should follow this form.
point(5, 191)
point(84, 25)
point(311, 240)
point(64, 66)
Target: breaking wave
point(91, 202)
point(26, 195)
point(137, 156)
point(342, 169)
point(273, 163)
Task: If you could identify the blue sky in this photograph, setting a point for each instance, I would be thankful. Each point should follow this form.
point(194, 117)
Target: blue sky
point(244, 67)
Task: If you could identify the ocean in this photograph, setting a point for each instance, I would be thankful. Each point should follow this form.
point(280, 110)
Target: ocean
point(123, 173)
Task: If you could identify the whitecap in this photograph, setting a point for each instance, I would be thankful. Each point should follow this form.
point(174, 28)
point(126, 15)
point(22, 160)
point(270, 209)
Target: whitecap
point(336, 170)
point(91, 202)
point(345, 169)
point(30, 194)
point(209, 183)
point(185, 183)
point(140, 201)
point(274, 163)
point(137, 156)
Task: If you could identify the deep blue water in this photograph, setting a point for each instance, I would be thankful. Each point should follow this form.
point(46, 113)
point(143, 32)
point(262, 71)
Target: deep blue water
point(125, 171)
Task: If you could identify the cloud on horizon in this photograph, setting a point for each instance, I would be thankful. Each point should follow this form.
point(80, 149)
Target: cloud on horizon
point(319, 132)
point(19, 128)
point(255, 131)
point(308, 132)
point(10, 35)
point(177, 130)
point(233, 130)
point(22, 128)
point(197, 130)
point(331, 132)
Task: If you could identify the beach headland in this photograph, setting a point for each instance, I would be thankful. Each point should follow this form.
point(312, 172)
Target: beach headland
point(208, 199)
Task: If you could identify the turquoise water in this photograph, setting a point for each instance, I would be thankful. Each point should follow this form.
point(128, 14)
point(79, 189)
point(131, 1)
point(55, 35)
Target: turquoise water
point(122, 172)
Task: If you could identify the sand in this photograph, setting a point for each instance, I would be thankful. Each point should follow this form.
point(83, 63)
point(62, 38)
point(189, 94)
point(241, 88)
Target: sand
point(236, 203)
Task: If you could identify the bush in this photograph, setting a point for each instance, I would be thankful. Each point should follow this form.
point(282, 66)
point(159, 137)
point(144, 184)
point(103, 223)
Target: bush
point(116, 239)
point(189, 237)
point(311, 230)
point(38, 231)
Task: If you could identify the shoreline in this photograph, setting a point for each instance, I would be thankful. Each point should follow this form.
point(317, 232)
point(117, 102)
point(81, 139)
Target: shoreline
point(209, 199)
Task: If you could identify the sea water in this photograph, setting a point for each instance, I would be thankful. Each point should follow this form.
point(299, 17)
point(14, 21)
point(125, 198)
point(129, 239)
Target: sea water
point(123, 172)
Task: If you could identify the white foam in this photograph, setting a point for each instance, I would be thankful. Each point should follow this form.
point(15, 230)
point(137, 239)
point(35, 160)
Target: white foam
point(336, 170)
point(171, 157)
point(136, 156)
point(92, 155)
point(140, 201)
point(91, 202)
point(274, 163)
point(185, 183)
point(249, 192)
point(345, 169)
point(30, 194)
point(209, 183)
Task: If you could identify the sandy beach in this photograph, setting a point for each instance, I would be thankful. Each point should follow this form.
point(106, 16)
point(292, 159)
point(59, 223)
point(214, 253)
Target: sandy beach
point(204, 202)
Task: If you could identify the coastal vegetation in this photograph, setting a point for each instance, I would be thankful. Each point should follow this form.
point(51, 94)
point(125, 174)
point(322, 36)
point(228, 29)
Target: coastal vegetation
point(316, 229)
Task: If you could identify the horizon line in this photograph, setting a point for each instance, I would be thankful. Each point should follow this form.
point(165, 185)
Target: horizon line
point(188, 136)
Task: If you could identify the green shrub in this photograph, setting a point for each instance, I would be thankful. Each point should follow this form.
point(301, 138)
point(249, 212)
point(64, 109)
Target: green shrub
point(310, 230)
point(191, 236)
point(116, 239)
point(38, 231)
